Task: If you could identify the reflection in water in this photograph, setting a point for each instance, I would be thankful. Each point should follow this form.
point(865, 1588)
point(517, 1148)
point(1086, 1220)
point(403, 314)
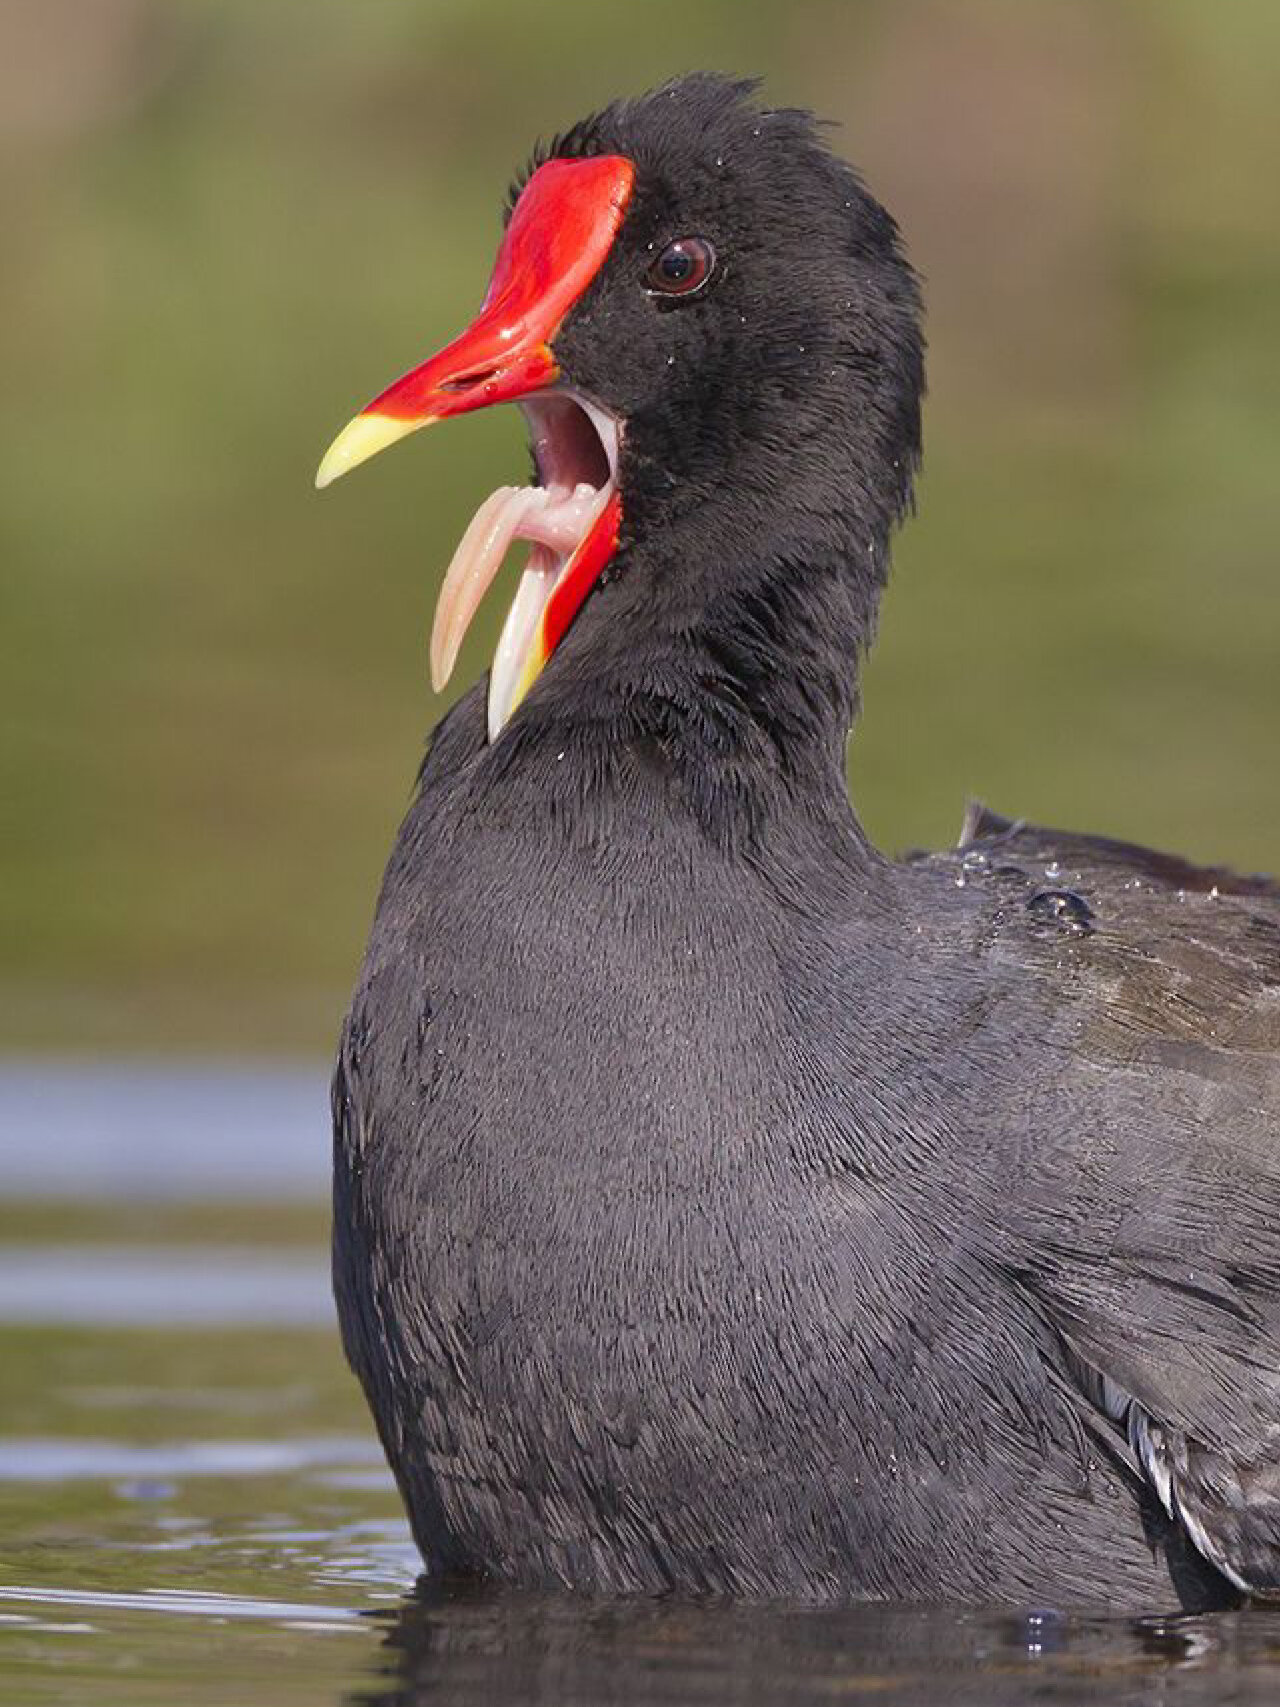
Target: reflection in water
point(210, 1285)
point(144, 1131)
point(182, 1604)
point(468, 1646)
point(44, 1460)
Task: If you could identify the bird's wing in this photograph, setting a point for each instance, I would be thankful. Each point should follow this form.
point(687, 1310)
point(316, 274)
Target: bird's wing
point(1157, 1256)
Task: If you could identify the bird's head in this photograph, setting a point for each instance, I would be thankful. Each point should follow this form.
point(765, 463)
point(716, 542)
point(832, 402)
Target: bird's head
point(714, 338)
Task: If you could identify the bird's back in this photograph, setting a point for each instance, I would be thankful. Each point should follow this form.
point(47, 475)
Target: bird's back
point(1143, 1215)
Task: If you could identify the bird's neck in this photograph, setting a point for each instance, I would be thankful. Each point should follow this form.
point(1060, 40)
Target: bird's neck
point(746, 588)
point(736, 677)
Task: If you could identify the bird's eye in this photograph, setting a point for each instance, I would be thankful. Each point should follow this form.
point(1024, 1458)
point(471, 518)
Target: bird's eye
point(682, 268)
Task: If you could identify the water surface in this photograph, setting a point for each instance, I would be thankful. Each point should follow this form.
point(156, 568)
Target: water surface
point(193, 1507)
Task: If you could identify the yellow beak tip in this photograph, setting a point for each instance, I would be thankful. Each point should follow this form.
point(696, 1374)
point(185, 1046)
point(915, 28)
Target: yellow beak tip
point(360, 439)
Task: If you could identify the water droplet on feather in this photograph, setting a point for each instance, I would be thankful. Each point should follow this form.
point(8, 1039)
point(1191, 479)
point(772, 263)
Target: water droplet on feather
point(1061, 911)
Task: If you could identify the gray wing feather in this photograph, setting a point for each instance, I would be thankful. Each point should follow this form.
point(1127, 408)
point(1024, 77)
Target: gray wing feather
point(1163, 1274)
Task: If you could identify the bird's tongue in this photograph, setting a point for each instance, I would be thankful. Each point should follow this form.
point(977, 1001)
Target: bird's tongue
point(555, 521)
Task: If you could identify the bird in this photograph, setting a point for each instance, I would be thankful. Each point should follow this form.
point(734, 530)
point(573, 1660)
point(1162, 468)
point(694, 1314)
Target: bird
point(723, 1206)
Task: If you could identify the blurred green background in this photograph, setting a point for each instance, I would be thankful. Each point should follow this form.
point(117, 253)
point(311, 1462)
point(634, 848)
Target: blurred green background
point(228, 222)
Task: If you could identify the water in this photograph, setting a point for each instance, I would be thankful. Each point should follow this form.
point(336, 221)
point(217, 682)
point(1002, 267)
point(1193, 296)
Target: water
point(193, 1507)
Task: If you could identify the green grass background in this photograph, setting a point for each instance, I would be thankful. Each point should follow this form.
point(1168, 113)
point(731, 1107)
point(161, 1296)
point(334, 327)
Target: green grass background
point(228, 222)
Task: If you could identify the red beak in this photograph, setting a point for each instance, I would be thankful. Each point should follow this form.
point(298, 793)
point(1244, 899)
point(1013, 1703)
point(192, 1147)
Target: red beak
point(559, 234)
point(560, 231)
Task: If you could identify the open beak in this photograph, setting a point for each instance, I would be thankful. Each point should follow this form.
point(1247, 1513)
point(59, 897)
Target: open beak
point(558, 237)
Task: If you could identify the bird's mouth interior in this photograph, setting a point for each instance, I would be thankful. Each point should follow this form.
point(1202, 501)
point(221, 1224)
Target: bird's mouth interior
point(575, 446)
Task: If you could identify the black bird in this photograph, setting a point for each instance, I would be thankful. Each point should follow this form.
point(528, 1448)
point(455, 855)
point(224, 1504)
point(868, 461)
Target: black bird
point(720, 1205)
